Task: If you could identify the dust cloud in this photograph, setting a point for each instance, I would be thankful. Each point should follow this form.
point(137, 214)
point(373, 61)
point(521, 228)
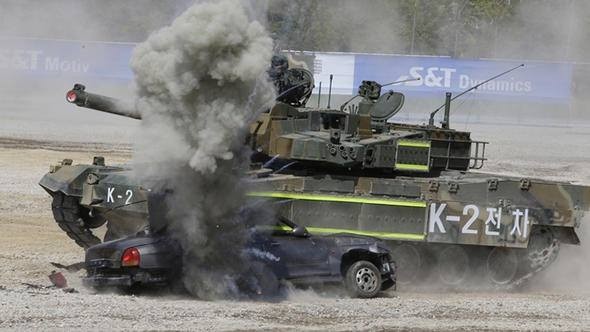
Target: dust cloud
point(98, 20)
point(544, 31)
point(570, 272)
point(200, 81)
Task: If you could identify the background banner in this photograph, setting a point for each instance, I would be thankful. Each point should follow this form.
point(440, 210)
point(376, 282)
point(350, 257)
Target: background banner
point(58, 58)
point(106, 60)
point(440, 74)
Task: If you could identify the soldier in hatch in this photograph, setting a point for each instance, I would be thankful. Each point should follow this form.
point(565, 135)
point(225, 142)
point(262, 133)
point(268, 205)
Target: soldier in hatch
point(293, 85)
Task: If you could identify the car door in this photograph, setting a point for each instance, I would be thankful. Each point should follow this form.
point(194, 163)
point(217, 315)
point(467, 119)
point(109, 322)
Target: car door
point(302, 256)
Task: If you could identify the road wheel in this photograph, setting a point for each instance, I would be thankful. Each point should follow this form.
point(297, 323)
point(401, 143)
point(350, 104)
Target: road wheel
point(363, 279)
point(409, 262)
point(453, 265)
point(91, 220)
point(502, 266)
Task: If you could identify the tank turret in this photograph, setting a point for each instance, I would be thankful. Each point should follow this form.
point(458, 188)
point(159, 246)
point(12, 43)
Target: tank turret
point(358, 139)
point(81, 98)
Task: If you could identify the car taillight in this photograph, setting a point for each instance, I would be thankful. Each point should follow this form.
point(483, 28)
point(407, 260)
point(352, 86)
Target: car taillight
point(71, 96)
point(130, 257)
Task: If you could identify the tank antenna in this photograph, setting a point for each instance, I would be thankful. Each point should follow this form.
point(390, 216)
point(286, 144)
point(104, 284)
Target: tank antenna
point(448, 102)
point(401, 81)
point(330, 90)
point(319, 94)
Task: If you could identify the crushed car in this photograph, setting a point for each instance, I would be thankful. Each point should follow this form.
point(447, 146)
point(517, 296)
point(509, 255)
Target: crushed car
point(362, 264)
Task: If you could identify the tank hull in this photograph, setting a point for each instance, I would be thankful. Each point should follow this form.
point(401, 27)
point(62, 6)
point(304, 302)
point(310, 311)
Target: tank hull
point(454, 208)
point(453, 226)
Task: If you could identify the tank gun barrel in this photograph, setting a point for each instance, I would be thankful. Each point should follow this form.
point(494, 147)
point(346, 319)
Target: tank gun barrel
point(80, 97)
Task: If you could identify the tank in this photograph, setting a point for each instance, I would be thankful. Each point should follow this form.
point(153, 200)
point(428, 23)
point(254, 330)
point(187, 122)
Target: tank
point(353, 170)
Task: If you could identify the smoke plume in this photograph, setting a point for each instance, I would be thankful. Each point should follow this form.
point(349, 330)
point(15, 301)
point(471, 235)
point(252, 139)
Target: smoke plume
point(200, 82)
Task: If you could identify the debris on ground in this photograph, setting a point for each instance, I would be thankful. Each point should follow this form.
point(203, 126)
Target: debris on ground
point(35, 286)
point(58, 279)
point(69, 290)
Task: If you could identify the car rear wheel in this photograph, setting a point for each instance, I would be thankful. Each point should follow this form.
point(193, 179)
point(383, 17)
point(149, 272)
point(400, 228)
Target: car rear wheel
point(363, 280)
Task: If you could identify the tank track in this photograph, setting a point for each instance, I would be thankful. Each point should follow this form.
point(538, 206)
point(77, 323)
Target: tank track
point(68, 214)
point(543, 250)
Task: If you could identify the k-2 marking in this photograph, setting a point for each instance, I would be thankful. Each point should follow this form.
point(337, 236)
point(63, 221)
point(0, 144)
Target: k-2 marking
point(520, 223)
point(111, 195)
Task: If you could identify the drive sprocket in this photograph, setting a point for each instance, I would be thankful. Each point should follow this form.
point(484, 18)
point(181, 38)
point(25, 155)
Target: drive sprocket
point(542, 250)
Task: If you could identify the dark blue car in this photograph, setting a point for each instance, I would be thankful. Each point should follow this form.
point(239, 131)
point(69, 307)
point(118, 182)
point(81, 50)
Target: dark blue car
point(283, 252)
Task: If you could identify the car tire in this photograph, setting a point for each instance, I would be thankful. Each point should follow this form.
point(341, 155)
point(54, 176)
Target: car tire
point(362, 280)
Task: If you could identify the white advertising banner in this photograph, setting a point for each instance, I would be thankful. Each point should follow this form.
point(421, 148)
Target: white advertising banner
point(341, 66)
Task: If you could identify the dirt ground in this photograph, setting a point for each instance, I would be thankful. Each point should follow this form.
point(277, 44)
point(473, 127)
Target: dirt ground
point(30, 240)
